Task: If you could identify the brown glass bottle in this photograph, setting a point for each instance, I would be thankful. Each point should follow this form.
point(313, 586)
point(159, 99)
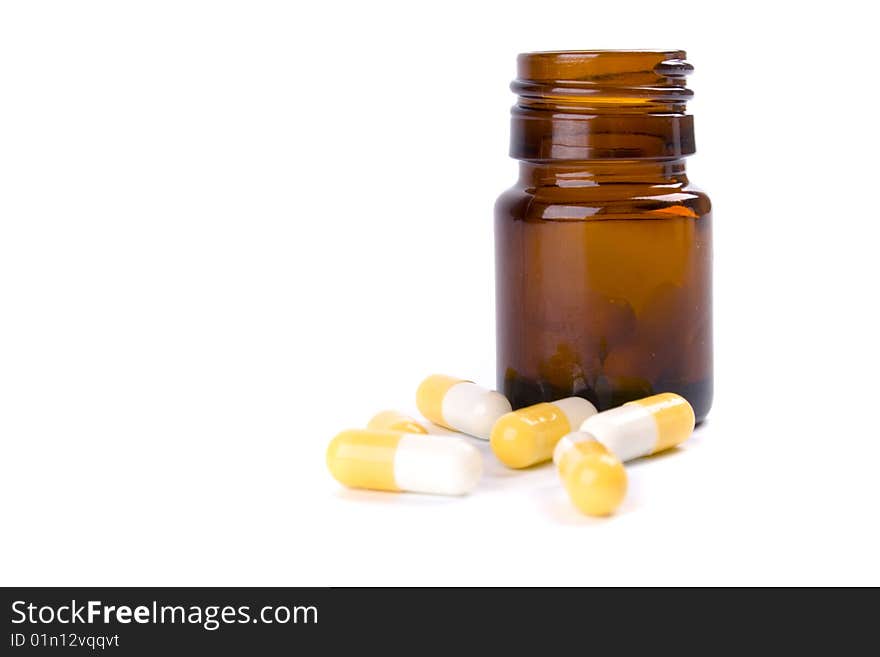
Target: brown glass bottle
point(603, 247)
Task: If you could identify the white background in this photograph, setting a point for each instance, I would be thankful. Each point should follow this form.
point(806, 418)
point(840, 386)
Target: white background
point(230, 229)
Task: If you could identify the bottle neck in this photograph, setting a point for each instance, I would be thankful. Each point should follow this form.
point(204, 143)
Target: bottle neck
point(601, 105)
point(590, 173)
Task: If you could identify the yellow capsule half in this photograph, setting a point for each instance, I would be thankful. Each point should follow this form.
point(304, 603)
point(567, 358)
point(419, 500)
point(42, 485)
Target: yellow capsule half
point(527, 436)
point(394, 461)
point(395, 421)
point(593, 477)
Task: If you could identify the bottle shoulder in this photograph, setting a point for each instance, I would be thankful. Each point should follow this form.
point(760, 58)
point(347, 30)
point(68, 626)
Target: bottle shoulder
point(554, 203)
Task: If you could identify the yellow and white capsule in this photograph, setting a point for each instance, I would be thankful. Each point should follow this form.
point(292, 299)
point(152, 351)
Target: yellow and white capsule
point(593, 477)
point(394, 421)
point(461, 405)
point(637, 428)
point(394, 461)
point(528, 435)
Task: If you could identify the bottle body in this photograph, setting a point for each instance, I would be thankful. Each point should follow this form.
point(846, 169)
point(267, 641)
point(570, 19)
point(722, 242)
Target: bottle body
point(603, 264)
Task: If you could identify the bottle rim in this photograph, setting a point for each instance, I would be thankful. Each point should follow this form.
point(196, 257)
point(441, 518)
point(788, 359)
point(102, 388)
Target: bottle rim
point(599, 64)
